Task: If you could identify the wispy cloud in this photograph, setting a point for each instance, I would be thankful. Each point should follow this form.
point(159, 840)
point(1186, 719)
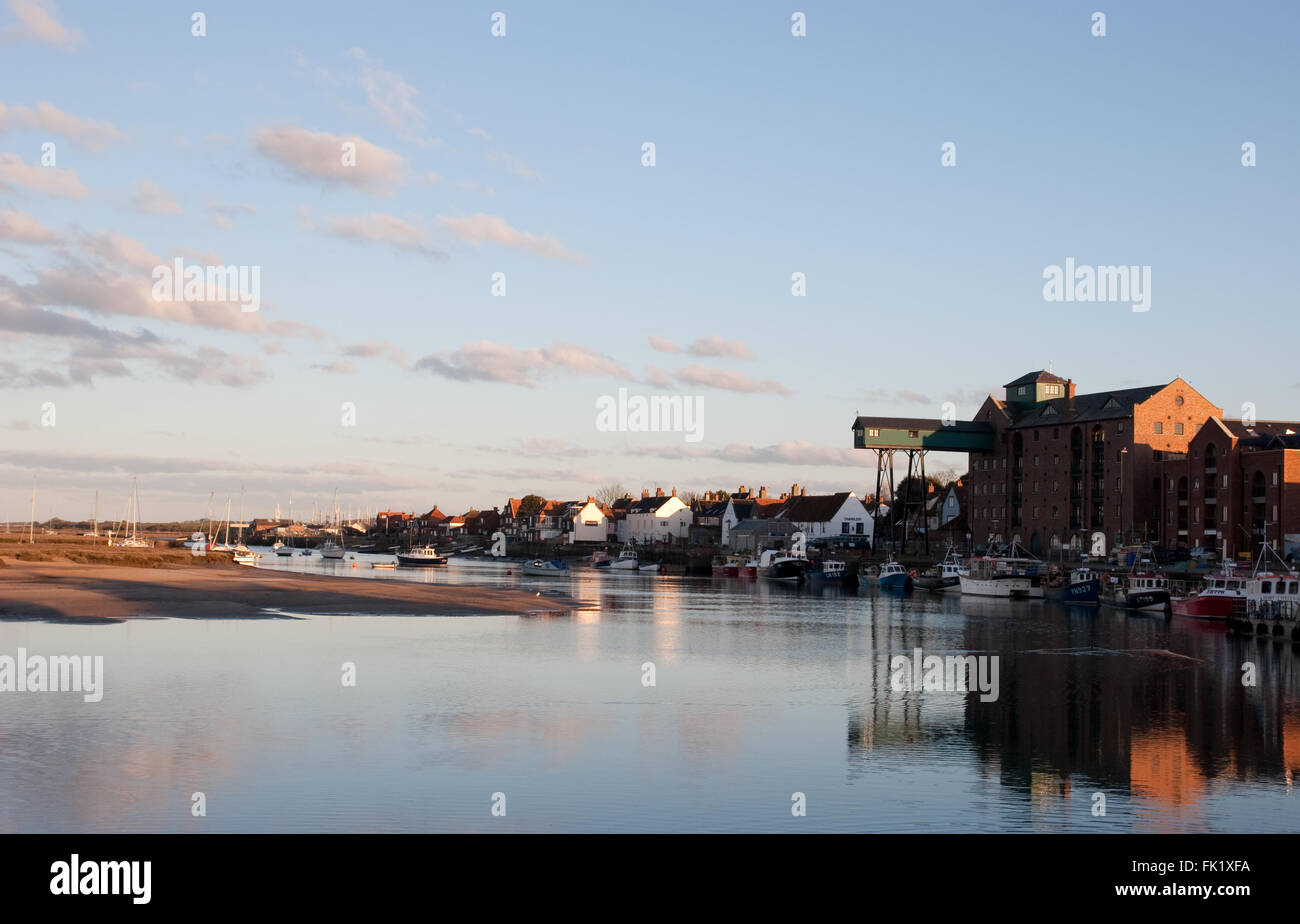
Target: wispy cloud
point(23, 228)
point(322, 156)
point(376, 228)
point(90, 134)
point(392, 98)
point(496, 362)
point(50, 181)
point(223, 213)
point(729, 380)
point(39, 20)
point(479, 228)
point(149, 198)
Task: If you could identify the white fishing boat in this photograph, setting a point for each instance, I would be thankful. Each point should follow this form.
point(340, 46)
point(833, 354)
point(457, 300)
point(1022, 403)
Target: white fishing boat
point(988, 577)
point(627, 560)
point(543, 568)
point(242, 555)
point(426, 557)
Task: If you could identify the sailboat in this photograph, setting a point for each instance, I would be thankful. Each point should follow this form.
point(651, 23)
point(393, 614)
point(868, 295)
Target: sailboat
point(330, 549)
point(133, 540)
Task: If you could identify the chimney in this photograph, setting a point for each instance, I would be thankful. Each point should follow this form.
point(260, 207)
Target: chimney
point(741, 492)
point(762, 492)
point(645, 492)
point(659, 492)
point(803, 492)
point(794, 490)
point(674, 490)
point(1069, 389)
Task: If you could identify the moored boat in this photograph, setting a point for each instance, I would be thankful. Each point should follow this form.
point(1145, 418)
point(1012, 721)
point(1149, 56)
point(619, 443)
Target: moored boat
point(893, 576)
point(242, 555)
point(1083, 588)
point(424, 557)
point(1143, 590)
point(945, 576)
point(780, 565)
point(988, 577)
point(829, 569)
point(331, 550)
point(627, 560)
point(1222, 594)
point(541, 567)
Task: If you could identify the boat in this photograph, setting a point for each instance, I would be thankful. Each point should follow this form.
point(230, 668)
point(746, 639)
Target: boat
point(627, 560)
point(197, 540)
point(331, 550)
point(990, 577)
point(132, 540)
point(780, 565)
point(384, 565)
point(305, 553)
point(242, 556)
point(893, 576)
point(944, 576)
point(541, 567)
point(1082, 589)
point(651, 568)
point(601, 559)
point(424, 557)
point(284, 551)
point(829, 569)
point(725, 566)
point(1223, 594)
point(1140, 590)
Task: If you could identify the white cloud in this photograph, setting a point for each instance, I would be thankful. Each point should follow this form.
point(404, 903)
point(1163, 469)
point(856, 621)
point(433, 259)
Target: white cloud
point(729, 380)
point(320, 156)
point(90, 134)
point(23, 228)
point(379, 228)
point(39, 20)
point(479, 228)
point(51, 181)
point(496, 362)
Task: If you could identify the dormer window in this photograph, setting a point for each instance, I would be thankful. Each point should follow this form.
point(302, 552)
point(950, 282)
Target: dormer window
point(1110, 404)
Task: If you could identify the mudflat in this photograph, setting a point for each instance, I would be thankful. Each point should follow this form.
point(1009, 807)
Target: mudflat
point(68, 591)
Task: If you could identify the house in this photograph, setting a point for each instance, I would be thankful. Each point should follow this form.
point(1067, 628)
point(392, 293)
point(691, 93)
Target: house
point(744, 505)
point(708, 511)
point(825, 516)
point(589, 521)
point(758, 533)
point(658, 519)
point(482, 522)
point(942, 507)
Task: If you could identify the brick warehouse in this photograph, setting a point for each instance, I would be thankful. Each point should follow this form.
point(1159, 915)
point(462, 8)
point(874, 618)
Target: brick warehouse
point(1158, 463)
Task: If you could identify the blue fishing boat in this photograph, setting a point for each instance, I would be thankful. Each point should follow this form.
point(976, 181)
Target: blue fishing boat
point(894, 576)
point(1083, 588)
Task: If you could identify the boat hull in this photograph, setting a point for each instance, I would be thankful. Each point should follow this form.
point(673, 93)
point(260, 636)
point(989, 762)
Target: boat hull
point(420, 562)
point(938, 584)
point(790, 572)
point(1012, 587)
point(1217, 607)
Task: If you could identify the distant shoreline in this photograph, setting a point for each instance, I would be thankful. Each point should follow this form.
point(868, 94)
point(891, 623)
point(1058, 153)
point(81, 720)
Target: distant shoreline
point(65, 591)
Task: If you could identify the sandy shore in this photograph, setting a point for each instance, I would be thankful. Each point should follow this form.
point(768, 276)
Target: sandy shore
point(62, 591)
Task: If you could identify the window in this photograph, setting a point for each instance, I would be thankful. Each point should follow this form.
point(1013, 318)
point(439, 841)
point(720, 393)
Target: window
point(1225, 481)
point(1178, 429)
point(1275, 478)
point(844, 526)
point(1196, 484)
point(1035, 491)
point(913, 434)
point(873, 432)
point(1158, 427)
point(1035, 461)
point(1020, 390)
point(1119, 427)
point(1179, 400)
point(1056, 433)
point(861, 531)
point(1171, 486)
point(1196, 515)
point(1119, 482)
point(1035, 436)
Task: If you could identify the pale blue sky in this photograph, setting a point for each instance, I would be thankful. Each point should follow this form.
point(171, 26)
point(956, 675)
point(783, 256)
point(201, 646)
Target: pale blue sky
point(775, 154)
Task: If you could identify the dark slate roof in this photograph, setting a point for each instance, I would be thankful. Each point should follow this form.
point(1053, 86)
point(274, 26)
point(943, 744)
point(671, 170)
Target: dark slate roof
point(812, 508)
point(648, 504)
point(1261, 428)
point(715, 509)
point(754, 508)
point(1042, 375)
point(1083, 407)
point(919, 423)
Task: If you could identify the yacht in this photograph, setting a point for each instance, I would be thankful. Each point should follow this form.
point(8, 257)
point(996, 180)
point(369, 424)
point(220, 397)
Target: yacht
point(331, 550)
point(425, 557)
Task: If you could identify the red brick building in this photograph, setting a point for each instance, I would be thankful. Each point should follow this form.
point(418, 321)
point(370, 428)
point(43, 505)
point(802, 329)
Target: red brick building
point(1064, 465)
point(1235, 487)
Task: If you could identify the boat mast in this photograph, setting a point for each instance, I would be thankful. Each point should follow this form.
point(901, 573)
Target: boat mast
point(31, 521)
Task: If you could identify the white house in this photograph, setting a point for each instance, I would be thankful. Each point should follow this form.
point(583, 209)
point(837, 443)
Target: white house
point(655, 519)
point(822, 516)
point(590, 523)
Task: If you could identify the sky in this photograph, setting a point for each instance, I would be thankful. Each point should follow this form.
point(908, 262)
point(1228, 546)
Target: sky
point(379, 362)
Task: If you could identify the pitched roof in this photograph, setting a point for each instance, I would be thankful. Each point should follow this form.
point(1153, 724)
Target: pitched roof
point(919, 423)
point(1102, 405)
point(1042, 375)
point(813, 508)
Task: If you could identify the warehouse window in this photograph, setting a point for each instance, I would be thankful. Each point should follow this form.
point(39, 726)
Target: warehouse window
point(1158, 427)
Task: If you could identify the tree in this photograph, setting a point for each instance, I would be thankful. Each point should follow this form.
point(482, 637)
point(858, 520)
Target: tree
point(530, 504)
point(610, 493)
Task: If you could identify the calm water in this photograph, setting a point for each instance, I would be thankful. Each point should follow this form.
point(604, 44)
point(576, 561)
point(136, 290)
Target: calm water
point(760, 692)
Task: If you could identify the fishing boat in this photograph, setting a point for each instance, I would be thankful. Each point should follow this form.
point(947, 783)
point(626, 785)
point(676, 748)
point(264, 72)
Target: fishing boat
point(829, 569)
point(780, 565)
point(1141, 590)
point(424, 557)
point(601, 559)
point(627, 560)
point(990, 577)
point(242, 555)
point(543, 568)
point(1222, 594)
point(893, 576)
point(1082, 588)
point(944, 576)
